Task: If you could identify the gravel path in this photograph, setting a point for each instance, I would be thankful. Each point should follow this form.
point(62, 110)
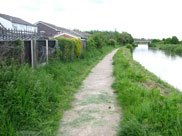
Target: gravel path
point(94, 112)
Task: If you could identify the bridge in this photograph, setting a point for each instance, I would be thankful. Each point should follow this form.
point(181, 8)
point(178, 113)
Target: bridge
point(142, 41)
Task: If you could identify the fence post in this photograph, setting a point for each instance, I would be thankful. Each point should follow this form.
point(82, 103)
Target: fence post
point(32, 54)
point(22, 53)
point(56, 44)
point(35, 53)
point(47, 50)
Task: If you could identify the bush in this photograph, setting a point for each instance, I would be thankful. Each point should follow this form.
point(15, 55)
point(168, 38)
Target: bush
point(125, 38)
point(91, 43)
point(100, 39)
point(156, 40)
point(168, 41)
point(67, 47)
point(152, 45)
point(129, 46)
point(112, 42)
point(174, 40)
point(78, 48)
point(178, 49)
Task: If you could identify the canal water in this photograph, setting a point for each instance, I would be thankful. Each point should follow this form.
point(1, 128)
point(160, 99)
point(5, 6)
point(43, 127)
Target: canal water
point(166, 67)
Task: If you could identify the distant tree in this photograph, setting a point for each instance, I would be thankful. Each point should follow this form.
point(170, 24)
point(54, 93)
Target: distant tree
point(125, 38)
point(174, 40)
point(156, 40)
point(100, 39)
point(168, 41)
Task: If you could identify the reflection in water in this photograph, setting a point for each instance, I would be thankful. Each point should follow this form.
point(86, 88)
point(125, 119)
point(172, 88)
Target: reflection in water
point(168, 68)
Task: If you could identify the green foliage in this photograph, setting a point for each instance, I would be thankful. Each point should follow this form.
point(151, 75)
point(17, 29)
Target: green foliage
point(134, 45)
point(173, 48)
point(168, 41)
point(149, 107)
point(32, 101)
point(112, 42)
point(156, 40)
point(125, 38)
point(100, 39)
point(130, 46)
point(78, 48)
point(152, 44)
point(91, 43)
point(67, 46)
point(18, 42)
point(174, 40)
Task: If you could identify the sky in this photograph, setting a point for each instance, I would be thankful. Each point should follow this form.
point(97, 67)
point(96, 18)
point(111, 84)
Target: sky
point(141, 18)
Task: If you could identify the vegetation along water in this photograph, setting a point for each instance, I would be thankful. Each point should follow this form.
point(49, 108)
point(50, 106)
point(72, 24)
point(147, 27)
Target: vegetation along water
point(150, 106)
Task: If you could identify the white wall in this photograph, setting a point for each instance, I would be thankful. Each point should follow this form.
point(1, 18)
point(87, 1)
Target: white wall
point(7, 24)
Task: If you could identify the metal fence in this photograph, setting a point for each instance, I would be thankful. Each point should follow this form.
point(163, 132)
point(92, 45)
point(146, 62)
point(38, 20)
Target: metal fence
point(34, 52)
point(12, 34)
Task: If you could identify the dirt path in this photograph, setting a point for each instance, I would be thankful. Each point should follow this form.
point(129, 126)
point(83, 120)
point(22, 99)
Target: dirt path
point(94, 112)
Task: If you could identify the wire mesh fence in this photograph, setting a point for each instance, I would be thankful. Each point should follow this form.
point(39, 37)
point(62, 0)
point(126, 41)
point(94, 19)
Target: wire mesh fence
point(33, 52)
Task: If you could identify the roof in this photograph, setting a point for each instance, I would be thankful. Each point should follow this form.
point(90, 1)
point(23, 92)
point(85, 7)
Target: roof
point(83, 33)
point(63, 30)
point(15, 20)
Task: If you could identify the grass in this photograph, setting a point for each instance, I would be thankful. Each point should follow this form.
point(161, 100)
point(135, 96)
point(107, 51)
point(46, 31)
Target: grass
point(32, 101)
point(171, 48)
point(150, 107)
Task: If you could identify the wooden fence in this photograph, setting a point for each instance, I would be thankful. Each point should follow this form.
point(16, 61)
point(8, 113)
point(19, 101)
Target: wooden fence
point(34, 52)
point(12, 34)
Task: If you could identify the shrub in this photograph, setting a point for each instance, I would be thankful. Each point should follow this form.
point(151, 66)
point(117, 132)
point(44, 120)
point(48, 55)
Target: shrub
point(125, 38)
point(100, 39)
point(78, 47)
point(112, 42)
point(168, 41)
point(129, 46)
point(18, 42)
point(178, 49)
point(91, 43)
point(134, 45)
point(67, 47)
point(156, 40)
point(174, 40)
point(152, 45)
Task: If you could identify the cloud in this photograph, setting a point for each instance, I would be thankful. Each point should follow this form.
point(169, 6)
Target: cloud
point(97, 1)
point(141, 18)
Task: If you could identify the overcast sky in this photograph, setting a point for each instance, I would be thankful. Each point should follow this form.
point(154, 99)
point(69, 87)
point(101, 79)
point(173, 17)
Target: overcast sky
point(141, 18)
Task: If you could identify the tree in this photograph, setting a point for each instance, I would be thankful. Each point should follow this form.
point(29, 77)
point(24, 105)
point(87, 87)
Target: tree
point(174, 40)
point(168, 41)
point(125, 38)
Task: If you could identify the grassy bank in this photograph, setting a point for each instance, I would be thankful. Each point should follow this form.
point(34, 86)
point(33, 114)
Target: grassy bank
point(171, 48)
point(150, 107)
point(32, 101)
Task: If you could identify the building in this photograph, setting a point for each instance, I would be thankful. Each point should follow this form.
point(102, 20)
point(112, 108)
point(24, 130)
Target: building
point(10, 22)
point(56, 31)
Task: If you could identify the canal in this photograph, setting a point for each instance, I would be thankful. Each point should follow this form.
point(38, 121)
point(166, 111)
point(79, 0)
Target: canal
point(166, 67)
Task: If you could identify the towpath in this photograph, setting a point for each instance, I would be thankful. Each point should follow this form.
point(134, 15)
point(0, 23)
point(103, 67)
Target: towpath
point(94, 111)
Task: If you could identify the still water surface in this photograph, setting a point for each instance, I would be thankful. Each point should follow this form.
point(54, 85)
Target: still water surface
point(167, 67)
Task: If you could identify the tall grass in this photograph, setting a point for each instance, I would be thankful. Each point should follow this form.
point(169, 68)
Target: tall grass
point(173, 48)
point(32, 101)
point(150, 106)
